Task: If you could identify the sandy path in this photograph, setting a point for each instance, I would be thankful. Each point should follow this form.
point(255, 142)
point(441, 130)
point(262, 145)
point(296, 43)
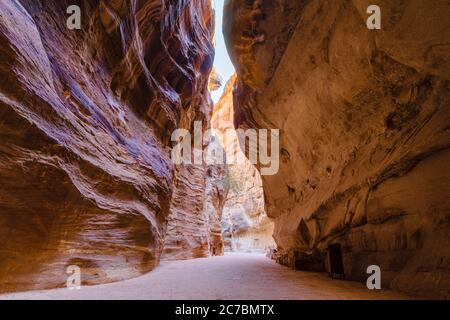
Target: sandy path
point(233, 276)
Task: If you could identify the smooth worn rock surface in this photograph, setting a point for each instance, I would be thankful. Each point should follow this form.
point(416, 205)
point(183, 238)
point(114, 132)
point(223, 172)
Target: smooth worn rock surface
point(235, 276)
point(364, 123)
point(85, 123)
point(245, 225)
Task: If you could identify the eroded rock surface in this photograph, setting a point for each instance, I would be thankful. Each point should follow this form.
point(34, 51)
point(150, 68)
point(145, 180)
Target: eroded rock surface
point(194, 229)
point(364, 118)
point(85, 123)
point(245, 225)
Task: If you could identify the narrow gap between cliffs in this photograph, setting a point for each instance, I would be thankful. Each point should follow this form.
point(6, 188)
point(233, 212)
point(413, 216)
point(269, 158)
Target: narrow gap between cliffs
point(245, 225)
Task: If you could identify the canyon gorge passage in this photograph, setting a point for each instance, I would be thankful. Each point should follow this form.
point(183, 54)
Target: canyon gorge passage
point(86, 117)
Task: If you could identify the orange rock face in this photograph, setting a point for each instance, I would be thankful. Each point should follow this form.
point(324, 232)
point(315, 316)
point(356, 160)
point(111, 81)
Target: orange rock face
point(363, 118)
point(194, 229)
point(85, 123)
point(245, 225)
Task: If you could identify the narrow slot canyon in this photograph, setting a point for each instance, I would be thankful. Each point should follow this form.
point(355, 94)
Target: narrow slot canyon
point(135, 150)
point(245, 225)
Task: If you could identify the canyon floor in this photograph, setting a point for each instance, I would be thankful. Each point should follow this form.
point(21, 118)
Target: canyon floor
point(237, 276)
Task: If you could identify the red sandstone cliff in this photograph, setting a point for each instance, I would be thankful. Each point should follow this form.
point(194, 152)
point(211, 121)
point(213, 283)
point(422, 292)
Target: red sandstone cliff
point(85, 123)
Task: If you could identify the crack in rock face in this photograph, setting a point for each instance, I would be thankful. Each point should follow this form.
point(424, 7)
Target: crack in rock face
point(245, 225)
point(363, 118)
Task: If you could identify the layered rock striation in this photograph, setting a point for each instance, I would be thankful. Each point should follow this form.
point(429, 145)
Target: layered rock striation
point(194, 224)
point(85, 122)
point(364, 119)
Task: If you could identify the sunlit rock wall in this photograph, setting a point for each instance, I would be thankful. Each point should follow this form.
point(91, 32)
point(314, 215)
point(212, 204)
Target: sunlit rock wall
point(85, 123)
point(245, 225)
point(364, 118)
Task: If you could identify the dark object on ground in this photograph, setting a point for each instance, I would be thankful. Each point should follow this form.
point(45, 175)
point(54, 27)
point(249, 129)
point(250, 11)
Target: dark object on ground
point(336, 266)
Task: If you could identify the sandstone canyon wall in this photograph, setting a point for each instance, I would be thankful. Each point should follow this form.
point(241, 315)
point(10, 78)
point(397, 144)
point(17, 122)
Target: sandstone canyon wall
point(85, 123)
point(245, 225)
point(364, 118)
point(194, 225)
